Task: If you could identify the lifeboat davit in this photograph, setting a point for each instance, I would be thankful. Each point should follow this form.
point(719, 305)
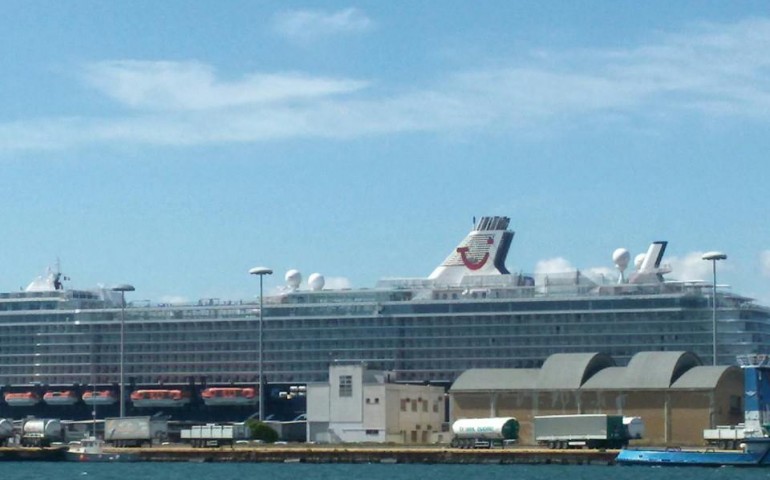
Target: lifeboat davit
point(160, 398)
point(66, 397)
point(215, 396)
point(100, 397)
point(22, 399)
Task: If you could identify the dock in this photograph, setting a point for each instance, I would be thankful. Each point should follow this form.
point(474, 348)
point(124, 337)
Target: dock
point(17, 454)
point(377, 454)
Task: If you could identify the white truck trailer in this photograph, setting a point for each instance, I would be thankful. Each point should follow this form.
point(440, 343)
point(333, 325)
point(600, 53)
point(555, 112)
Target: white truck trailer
point(585, 431)
point(214, 435)
point(135, 431)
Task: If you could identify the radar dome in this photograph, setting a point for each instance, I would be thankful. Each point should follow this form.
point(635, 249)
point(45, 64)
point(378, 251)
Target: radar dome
point(293, 279)
point(638, 260)
point(621, 257)
point(316, 281)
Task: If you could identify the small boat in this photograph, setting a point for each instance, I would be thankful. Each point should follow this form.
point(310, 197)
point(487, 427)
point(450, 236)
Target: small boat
point(216, 396)
point(66, 397)
point(91, 449)
point(756, 453)
point(99, 397)
point(160, 398)
point(22, 399)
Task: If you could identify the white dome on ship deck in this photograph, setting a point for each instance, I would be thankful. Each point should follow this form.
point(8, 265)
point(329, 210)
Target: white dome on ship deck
point(621, 257)
point(638, 260)
point(316, 281)
point(293, 278)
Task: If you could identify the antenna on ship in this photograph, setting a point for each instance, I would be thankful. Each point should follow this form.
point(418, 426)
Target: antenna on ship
point(621, 257)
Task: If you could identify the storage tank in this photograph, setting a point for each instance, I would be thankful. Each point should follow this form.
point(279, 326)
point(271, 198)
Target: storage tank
point(40, 432)
point(484, 432)
point(634, 427)
point(6, 428)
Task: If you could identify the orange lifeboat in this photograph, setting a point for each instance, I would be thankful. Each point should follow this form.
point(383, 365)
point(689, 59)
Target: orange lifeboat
point(65, 397)
point(22, 399)
point(160, 398)
point(215, 396)
point(99, 397)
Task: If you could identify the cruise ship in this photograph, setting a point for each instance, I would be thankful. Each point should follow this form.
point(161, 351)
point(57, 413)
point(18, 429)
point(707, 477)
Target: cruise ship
point(60, 348)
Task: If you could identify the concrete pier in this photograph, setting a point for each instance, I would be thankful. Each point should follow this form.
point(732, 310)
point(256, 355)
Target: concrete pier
point(359, 454)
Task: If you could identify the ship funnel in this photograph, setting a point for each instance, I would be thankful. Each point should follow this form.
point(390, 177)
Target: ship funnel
point(482, 252)
point(650, 270)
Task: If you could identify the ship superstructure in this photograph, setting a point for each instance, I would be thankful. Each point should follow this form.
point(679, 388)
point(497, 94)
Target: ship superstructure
point(471, 312)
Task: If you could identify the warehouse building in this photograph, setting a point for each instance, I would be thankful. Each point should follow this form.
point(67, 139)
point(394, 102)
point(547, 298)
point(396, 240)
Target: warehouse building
point(673, 392)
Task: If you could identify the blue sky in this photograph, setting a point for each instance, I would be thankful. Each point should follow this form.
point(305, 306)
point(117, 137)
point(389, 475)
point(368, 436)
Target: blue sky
point(174, 145)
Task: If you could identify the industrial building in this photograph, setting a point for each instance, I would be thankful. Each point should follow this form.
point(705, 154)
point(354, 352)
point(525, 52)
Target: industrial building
point(362, 405)
point(673, 392)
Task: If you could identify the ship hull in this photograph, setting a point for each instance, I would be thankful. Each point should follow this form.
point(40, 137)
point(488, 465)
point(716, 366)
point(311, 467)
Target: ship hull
point(682, 458)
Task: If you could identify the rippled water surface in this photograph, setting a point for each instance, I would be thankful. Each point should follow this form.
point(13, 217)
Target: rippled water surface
point(265, 471)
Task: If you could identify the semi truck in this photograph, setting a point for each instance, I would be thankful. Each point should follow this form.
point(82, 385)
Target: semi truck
point(41, 432)
point(213, 435)
point(484, 432)
point(135, 431)
point(587, 430)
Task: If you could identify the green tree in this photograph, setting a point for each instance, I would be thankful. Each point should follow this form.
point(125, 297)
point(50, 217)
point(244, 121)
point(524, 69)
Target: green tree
point(261, 431)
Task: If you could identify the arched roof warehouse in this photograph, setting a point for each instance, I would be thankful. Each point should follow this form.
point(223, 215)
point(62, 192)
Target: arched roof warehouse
point(568, 371)
point(597, 371)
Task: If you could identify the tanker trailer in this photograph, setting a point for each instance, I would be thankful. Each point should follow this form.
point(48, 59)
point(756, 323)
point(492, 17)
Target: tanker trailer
point(484, 432)
point(6, 431)
point(41, 432)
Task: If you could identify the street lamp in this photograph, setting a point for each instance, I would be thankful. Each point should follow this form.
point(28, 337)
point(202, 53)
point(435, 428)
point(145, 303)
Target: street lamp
point(123, 288)
point(261, 272)
point(713, 257)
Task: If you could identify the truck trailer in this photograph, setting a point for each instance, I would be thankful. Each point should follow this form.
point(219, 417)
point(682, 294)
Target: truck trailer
point(135, 431)
point(6, 431)
point(484, 432)
point(728, 437)
point(586, 431)
point(213, 435)
point(41, 432)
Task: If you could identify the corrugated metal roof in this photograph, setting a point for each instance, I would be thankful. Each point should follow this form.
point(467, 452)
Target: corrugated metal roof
point(607, 379)
point(495, 379)
point(568, 371)
point(705, 377)
point(658, 370)
point(596, 371)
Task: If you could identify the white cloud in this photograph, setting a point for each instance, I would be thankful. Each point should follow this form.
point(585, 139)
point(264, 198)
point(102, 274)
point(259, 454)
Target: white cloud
point(174, 300)
point(553, 265)
point(602, 274)
point(713, 70)
point(764, 262)
point(195, 86)
point(692, 267)
point(336, 283)
point(306, 25)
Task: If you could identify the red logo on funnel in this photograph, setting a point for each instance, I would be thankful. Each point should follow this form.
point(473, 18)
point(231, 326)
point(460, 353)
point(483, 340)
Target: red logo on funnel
point(463, 251)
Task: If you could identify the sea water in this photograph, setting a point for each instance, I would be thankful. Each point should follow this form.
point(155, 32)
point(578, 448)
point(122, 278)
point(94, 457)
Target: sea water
point(302, 471)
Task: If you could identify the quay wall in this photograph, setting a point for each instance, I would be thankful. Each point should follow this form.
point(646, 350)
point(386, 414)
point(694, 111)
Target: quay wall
point(379, 455)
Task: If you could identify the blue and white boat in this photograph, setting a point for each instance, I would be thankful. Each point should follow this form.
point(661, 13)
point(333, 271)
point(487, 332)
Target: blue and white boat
point(756, 453)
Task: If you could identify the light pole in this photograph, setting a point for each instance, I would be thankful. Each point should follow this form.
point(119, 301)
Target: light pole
point(713, 257)
point(123, 288)
point(261, 272)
